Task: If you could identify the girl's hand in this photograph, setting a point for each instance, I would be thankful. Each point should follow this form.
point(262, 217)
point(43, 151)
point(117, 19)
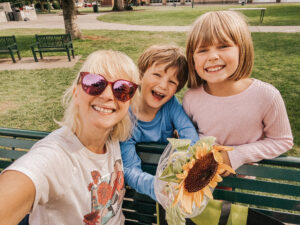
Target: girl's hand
point(226, 160)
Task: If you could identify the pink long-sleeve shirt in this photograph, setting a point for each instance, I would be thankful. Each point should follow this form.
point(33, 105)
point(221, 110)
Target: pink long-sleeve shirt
point(254, 122)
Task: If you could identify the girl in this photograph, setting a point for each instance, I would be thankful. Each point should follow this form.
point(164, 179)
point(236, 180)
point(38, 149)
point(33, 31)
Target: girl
point(72, 176)
point(224, 101)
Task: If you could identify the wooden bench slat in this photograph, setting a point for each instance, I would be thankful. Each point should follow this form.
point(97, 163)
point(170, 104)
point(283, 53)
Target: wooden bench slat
point(270, 172)
point(141, 207)
point(12, 132)
point(282, 216)
point(262, 186)
point(4, 164)
point(11, 154)
point(139, 217)
point(288, 161)
point(149, 168)
point(16, 143)
point(255, 199)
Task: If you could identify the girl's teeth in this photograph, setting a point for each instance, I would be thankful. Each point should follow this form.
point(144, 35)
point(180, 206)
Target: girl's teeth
point(214, 69)
point(99, 109)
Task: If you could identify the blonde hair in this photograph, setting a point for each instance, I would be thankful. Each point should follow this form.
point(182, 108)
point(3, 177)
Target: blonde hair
point(171, 55)
point(112, 64)
point(220, 27)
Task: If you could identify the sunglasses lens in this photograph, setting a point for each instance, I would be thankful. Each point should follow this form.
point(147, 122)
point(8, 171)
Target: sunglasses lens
point(93, 84)
point(124, 90)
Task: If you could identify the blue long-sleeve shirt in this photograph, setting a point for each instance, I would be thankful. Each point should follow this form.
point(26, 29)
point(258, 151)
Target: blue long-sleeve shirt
point(171, 116)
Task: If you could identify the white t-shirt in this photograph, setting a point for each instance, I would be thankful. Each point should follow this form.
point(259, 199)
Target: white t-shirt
point(73, 185)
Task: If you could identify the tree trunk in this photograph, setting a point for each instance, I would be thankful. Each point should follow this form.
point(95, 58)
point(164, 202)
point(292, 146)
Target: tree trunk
point(69, 13)
point(118, 5)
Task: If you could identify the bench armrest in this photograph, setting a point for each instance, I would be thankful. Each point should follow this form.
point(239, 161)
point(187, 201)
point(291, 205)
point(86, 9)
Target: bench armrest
point(69, 44)
point(35, 44)
point(12, 45)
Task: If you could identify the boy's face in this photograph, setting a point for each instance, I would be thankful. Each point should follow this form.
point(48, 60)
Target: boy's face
point(158, 86)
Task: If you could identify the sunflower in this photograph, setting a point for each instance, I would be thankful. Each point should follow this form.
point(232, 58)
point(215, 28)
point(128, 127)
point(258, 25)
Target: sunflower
point(200, 174)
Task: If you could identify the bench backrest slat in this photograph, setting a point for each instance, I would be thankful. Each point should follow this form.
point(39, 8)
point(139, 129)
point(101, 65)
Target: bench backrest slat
point(5, 41)
point(258, 200)
point(16, 143)
point(11, 154)
point(53, 41)
point(287, 217)
point(261, 186)
point(270, 172)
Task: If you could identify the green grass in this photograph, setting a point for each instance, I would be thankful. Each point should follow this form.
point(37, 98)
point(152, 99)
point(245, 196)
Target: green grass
point(275, 15)
point(31, 99)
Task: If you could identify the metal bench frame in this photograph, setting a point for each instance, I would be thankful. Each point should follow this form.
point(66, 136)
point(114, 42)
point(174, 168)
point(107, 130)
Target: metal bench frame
point(52, 43)
point(275, 191)
point(262, 11)
point(8, 44)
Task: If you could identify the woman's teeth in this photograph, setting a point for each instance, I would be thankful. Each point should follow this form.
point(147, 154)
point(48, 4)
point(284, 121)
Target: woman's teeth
point(99, 109)
point(213, 69)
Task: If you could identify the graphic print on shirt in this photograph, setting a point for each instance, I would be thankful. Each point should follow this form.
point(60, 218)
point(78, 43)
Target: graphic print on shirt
point(107, 193)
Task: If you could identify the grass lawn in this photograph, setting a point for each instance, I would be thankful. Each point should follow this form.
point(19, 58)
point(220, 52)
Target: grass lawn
point(275, 15)
point(31, 99)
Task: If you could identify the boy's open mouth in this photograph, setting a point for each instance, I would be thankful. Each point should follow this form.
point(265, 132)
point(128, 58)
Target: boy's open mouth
point(158, 95)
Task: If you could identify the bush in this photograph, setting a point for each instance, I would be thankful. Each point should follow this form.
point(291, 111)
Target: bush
point(56, 5)
point(38, 6)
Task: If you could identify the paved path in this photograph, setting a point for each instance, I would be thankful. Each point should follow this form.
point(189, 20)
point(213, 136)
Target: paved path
point(89, 22)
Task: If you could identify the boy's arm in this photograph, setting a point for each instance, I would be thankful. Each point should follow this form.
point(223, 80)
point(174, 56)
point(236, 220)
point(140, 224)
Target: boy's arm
point(277, 137)
point(134, 176)
point(182, 123)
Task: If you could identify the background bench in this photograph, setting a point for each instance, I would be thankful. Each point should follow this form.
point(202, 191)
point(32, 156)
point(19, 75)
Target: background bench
point(262, 11)
point(8, 44)
point(275, 191)
point(52, 43)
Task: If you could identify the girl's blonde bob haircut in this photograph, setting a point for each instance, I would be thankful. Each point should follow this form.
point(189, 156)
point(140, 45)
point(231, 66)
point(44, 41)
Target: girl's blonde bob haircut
point(113, 65)
point(220, 27)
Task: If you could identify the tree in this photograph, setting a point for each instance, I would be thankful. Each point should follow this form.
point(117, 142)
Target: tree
point(118, 5)
point(69, 13)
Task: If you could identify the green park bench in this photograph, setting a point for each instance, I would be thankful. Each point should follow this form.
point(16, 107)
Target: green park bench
point(52, 43)
point(275, 191)
point(8, 45)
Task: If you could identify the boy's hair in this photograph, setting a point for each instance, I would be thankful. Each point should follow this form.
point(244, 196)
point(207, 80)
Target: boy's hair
point(220, 27)
point(171, 55)
point(111, 64)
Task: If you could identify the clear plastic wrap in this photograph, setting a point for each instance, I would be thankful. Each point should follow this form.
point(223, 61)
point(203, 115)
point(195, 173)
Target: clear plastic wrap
point(186, 176)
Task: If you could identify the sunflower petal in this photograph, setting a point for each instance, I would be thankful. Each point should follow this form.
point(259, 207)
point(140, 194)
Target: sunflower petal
point(178, 196)
point(212, 184)
point(207, 192)
point(182, 175)
point(198, 198)
point(222, 148)
point(228, 168)
point(217, 156)
point(187, 202)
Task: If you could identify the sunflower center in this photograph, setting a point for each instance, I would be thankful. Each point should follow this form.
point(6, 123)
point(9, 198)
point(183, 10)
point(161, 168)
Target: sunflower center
point(201, 174)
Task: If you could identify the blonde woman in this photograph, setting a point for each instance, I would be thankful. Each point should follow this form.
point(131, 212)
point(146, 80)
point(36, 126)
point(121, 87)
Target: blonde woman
point(66, 178)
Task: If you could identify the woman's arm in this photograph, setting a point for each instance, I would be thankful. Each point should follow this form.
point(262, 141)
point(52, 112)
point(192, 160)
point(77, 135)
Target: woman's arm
point(17, 193)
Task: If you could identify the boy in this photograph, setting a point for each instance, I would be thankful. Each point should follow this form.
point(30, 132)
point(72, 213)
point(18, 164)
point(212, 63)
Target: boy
point(163, 72)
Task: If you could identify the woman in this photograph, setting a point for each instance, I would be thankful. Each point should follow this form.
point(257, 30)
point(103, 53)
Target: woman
point(73, 175)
